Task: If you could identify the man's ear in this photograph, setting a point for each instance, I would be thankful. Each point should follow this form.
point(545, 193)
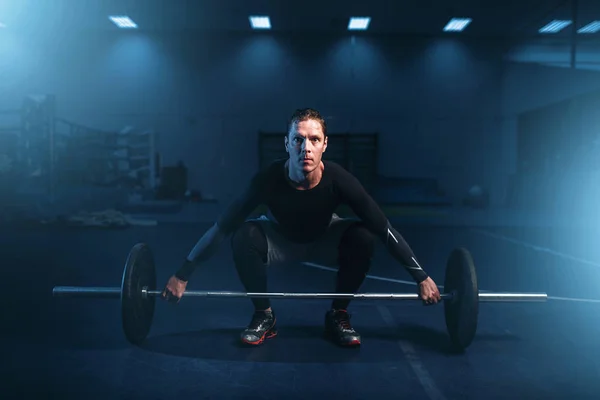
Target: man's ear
point(286, 144)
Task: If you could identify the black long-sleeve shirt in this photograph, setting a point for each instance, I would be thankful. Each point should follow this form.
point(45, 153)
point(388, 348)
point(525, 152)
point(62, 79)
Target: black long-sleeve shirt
point(303, 215)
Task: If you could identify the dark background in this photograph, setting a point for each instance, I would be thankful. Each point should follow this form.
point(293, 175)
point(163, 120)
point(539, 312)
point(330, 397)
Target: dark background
point(444, 106)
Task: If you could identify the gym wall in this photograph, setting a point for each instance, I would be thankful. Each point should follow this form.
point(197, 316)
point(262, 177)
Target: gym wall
point(442, 108)
point(528, 87)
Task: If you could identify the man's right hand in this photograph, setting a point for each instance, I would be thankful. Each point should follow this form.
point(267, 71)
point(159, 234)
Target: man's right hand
point(174, 290)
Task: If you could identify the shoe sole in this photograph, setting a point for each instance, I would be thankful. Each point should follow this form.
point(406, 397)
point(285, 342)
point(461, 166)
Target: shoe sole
point(352, 343)
point(271, 333)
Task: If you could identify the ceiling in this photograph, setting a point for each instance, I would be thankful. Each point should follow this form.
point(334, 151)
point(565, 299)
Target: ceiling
point(500, 18)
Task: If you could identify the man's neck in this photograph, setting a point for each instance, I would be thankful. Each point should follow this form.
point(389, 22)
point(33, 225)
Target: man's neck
point(302, 180)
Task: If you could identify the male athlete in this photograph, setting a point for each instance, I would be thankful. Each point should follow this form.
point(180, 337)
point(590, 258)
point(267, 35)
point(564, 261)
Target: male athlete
point(302, 193)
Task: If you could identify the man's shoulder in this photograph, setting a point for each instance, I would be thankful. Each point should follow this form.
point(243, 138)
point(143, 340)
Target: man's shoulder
point(270, 171)
point(274, 166)
point(340, 177)
point(335, 169)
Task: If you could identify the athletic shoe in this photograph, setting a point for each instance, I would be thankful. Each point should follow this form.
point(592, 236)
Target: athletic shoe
point(261, 327)
point(338, 328)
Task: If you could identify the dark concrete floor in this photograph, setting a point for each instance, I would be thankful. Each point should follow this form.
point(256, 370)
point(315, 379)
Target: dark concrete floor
point(67, 348)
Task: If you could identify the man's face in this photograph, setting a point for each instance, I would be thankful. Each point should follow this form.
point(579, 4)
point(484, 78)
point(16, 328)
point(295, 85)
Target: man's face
point(306, 144)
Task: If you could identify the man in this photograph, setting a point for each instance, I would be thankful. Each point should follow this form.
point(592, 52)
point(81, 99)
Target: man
point(302, 193)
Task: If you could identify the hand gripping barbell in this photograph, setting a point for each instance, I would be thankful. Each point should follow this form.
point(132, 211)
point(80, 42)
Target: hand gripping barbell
point(138, 293)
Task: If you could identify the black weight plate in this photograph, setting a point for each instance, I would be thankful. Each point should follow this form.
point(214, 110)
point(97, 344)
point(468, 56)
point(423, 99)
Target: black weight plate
point(137, 312)
point(461, 312)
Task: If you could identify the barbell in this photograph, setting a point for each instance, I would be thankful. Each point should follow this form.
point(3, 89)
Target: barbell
point(138, 293)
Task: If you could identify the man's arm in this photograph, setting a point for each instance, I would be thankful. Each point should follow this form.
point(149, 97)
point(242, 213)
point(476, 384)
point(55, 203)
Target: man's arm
point(229, 221)
point(363, 205)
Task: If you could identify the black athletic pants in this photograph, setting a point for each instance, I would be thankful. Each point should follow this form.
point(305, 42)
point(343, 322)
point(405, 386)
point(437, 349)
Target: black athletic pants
point(354, 247)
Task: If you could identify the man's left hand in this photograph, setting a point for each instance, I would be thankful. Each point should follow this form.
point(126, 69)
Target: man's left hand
point(429, 292)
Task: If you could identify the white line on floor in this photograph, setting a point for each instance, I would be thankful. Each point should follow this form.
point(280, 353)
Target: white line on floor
point(374, 277)
point(415, 362)
point(535, 247)
point(573, 299)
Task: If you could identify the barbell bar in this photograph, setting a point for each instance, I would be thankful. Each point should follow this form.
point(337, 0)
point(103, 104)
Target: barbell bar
point(138, 292)
point(115, 292)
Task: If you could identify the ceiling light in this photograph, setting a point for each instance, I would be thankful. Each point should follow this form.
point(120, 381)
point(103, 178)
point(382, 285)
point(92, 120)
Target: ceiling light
point(457, 24)
point(592, 27)
point(359, 23)
point(123, 22)
point(555, 26)
point(260, 22)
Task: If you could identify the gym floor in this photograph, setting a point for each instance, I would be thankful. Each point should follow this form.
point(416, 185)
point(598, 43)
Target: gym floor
point(74, 348)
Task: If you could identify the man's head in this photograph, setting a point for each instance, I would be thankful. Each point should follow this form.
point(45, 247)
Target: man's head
point(306, 139)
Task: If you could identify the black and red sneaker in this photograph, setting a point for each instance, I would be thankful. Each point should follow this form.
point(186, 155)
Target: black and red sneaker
point(261, 327)
point(338, 328)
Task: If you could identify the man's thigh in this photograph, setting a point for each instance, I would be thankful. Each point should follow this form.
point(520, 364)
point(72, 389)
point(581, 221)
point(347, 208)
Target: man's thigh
point(323, 251)
point(280, 250)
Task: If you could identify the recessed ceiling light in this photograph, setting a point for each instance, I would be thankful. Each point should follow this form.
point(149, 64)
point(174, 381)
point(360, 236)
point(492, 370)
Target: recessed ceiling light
point(359, 23)
point(555, 26)
point(260, 22)
point(457, 24)
point(592, 27)
point(123, 22)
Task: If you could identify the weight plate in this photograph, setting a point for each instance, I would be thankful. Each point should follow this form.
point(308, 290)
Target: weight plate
point(462, 311)
point(137, 312)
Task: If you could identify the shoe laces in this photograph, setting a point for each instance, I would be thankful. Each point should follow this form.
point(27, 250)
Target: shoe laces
point(345, 324)
point(257, 320)
point(343, 319)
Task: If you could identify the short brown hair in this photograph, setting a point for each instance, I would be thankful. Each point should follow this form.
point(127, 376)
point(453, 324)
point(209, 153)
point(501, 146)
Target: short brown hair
point(304, 114)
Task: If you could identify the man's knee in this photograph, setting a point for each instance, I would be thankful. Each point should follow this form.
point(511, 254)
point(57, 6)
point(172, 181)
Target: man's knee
point(357, 242)
point(249, 237)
